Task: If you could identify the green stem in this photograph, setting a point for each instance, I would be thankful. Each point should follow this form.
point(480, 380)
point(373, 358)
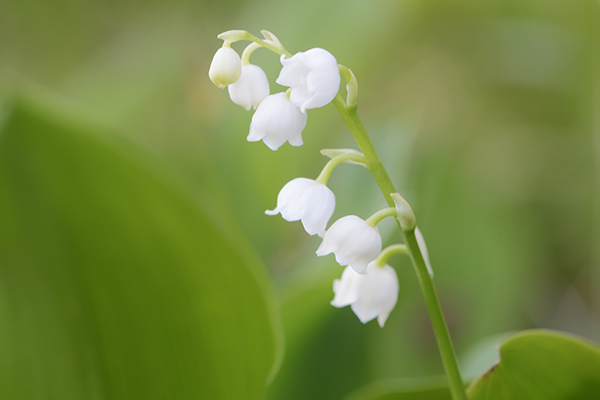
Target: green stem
point(388, 252)
point(334, 162)
point(440, 328)
point(248, 51)
point(268, 45)
point(374, 219)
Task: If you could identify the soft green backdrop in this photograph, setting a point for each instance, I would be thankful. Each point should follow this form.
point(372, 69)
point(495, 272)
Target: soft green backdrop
point(485, 113)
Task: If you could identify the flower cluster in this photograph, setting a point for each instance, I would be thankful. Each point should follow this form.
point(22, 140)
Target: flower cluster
point(312, 77)
point(368, 284)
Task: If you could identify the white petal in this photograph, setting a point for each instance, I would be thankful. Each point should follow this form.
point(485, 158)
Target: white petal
point(289, 198)
point(254, 135)
point(313, 77)
point(276, 121)
point(319, 209)
point(328, 245)
point(365, 249)
point(273, 141)
point(293, 70)
point(363, 313)
point(361, 243)
point(353, 241)
point(301, 97)
point(273, 212)
point(372, 295)
point(251, 88)
point(307, 200)
point(336, 235)
point(346, 289)
point(378, 294)
point(225, 68)
point(381, 318)
point(296, 140)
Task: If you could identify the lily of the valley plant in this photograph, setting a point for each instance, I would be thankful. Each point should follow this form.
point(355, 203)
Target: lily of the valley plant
point(368, 284)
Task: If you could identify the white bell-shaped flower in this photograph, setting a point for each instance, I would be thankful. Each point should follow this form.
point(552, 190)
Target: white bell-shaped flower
point(308, 201)
point(251, 88)
point(312, 75)
point(370, 295)
point(353, 241)
point(276, 121)
point(226, 67)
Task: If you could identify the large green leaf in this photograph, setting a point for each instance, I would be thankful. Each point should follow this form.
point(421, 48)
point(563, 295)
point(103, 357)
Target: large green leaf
point(114, 284)
point(544, 365)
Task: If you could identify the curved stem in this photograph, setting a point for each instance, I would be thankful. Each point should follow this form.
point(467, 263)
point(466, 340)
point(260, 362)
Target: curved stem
point(374, 219)
point(268, 45)
point(440, 328)
point(390, 251)
point(248, 51)
point(334, 162)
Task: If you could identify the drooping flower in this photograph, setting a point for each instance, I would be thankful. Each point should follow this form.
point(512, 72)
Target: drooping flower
point(251, 88)
point(307, 200)
point(226, 67)
point(370, 295)
point(312, 75)
point(276, 121)
point(353, 241)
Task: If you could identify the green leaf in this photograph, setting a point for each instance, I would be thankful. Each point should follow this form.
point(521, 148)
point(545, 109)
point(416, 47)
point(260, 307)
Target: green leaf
point(113, 282)
point(480, 355)
point(544, 365)
point(429, 388)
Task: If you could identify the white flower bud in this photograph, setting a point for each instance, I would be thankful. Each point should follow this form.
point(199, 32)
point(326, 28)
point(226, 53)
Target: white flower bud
point(225, 68)
point(307, 200)
point(353, 241)
point(313, 76)
point(276, 121)
point(370, 295)
point(251, 88)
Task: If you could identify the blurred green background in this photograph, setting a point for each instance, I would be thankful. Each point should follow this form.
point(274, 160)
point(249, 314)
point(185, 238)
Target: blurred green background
point(486, 115)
